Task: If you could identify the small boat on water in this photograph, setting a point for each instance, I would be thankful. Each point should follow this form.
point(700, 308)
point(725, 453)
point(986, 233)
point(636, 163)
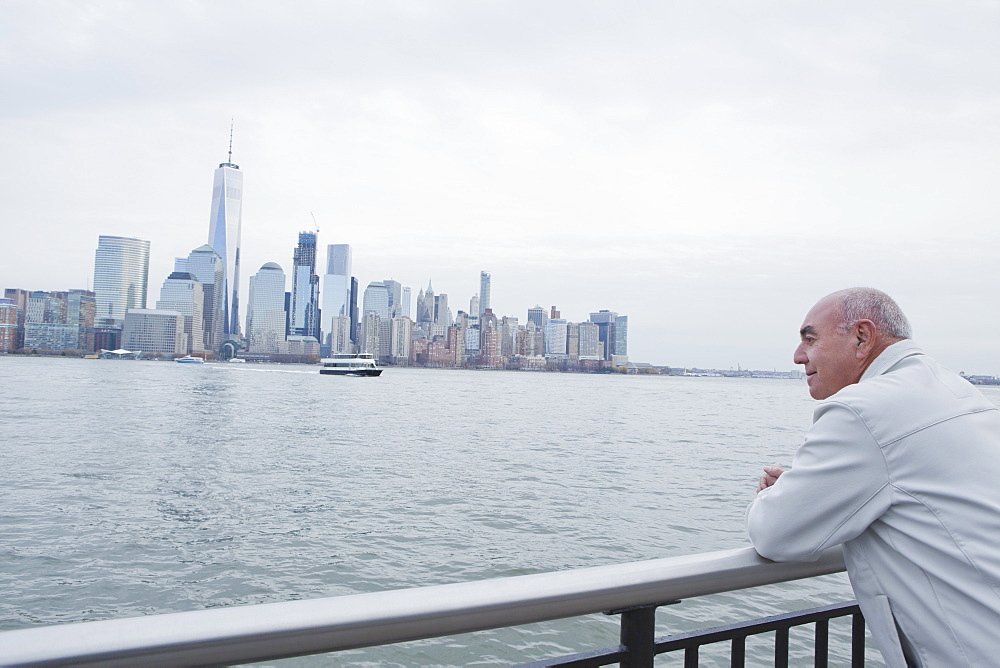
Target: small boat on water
point(350, 365)
point(190, 359)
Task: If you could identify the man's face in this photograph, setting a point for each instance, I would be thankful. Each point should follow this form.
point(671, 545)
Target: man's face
point(829, 356)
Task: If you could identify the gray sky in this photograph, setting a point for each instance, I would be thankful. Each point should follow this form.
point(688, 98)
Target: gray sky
point(709, 169)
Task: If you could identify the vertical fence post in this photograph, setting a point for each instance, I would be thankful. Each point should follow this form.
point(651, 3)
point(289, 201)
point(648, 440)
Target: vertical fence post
point(857, 641)
point(637, 635)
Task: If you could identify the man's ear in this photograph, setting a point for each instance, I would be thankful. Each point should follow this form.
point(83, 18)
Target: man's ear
point(864, 333)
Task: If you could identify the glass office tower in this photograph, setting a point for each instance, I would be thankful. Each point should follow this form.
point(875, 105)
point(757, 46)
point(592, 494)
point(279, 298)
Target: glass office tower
point(224, 237)
point(121, 271)
point(336, 294)
point(266, 310)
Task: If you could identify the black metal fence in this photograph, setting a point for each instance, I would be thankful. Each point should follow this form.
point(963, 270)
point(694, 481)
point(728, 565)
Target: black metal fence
point(639, 644)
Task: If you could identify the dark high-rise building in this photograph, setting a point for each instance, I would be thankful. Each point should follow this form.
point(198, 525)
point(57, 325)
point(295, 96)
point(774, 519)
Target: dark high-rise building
point(354, 310)
point(303, 320)
point(612, 332)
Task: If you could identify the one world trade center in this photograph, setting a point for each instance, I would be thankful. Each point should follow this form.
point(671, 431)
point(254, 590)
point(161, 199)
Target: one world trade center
point(224, 236)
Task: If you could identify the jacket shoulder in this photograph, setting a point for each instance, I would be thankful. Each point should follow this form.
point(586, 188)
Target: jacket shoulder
point(914, 394)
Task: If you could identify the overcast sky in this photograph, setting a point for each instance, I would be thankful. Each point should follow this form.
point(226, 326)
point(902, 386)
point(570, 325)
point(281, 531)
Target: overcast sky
point(709, 169)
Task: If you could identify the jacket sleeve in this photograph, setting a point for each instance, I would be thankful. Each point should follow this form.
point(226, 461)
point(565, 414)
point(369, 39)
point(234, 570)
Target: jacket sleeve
point(837, 486)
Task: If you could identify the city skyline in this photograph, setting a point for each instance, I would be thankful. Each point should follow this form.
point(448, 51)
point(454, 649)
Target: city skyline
point(709, 170)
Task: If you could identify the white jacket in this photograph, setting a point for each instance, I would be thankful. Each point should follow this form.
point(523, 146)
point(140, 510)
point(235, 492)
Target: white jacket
point(903, 468)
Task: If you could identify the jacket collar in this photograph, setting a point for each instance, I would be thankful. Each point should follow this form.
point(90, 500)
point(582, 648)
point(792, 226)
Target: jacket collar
point(890, 357)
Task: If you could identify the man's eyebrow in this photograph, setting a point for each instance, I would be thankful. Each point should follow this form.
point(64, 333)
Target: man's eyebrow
point(808, 329)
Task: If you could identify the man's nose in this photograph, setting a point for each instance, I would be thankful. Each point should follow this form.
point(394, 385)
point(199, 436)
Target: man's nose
point(799, 356)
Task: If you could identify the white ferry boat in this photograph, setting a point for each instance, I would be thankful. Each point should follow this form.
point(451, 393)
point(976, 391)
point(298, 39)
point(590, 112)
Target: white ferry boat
point(190, 359)
point(350, 365)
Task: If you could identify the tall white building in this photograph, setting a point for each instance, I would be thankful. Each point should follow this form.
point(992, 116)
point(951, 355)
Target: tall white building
point(484, 292)
point(121, 271)
point(224, 230)
point(266, 310)
point(182, 292)
point(402, 334)
point(405, 303)
point(336, 292)
point(154, 331)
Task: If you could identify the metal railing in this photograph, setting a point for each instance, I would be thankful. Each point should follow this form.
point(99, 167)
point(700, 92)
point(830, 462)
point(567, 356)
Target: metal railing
point(638, 646)
point(279, 630)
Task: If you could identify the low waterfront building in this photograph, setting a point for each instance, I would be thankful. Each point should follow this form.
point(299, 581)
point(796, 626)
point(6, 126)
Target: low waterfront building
point(60, 321)
point(154, 331)
point(306, 347)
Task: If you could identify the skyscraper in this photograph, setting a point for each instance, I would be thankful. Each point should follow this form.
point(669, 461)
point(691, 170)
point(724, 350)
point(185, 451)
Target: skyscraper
point(613, 332)
point(555, 338)
point(442, 314)
point(590, 341)
point(425, 307)
point(206, 265)
point(354, 309)
point(303, 317)
point(538, 316)
point(183, 293)
point(224, 235)
point(336, 291)
point(121, 270)
point(376, 302)
point(489, 341)
point(395, 291)
point(474, 307)
point(484, 292)
point(266, 310)
point(405, 303)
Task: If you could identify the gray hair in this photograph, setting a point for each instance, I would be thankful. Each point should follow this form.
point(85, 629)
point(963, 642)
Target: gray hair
point(871, 304)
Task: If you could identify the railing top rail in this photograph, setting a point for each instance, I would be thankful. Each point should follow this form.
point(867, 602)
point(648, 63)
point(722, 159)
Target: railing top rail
point(274, 630)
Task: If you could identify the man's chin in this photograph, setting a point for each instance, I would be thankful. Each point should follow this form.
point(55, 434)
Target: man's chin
point(815, 390)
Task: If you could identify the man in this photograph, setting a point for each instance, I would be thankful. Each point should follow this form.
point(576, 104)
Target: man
point(902, 467)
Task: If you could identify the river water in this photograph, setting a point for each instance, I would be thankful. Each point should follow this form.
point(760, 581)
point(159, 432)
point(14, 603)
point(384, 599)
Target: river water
point(133, 488)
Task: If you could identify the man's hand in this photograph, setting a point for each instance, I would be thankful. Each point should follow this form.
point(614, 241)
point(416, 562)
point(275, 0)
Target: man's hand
point(770, 476)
